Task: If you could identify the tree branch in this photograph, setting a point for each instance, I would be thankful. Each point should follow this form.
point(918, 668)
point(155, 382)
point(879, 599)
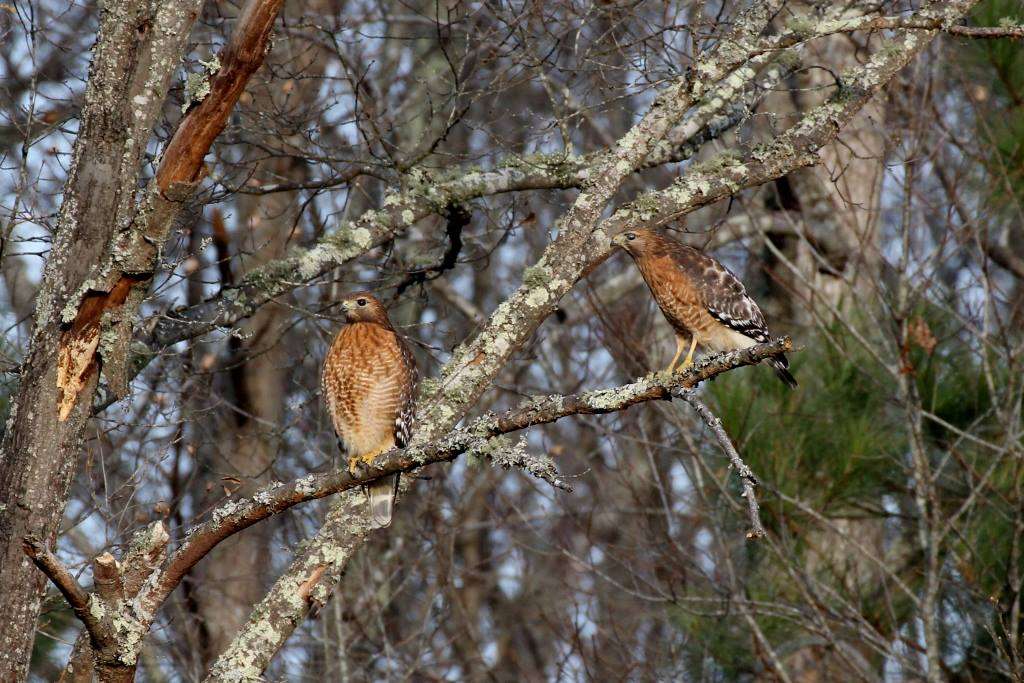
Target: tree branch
point(323, 559)
point(137, 49)
point(78, 598)
point(235, 516)
point(180, 172)
point(145, 552)
point(749, 481)
point(424, 194)
point(580, 247)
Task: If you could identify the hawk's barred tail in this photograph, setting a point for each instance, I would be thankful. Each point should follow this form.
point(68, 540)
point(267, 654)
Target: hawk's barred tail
point(382, 499)
point(781, 367)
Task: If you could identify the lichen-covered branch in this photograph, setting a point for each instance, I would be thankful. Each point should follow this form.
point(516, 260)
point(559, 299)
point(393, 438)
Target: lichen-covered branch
point(273, 620)
point(508, 454)
point(213, 95)
point(109, 645)
point(424, 193)
point(234, 516)
point(306, 584)
point(61, 577)
point(146, 552)
point(583, 242)
point(100, 267)
point(570, 256)
point(688, 106)
point(144, 586)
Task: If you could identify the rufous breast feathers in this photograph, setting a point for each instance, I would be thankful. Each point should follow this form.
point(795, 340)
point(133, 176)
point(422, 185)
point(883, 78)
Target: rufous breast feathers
point(366, 382)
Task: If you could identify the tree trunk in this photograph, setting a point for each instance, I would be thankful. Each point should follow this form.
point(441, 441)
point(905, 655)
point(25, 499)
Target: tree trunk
point(139, 47)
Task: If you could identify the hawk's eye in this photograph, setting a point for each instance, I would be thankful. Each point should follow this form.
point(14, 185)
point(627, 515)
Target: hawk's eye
point(630, 236)
point(361, 302)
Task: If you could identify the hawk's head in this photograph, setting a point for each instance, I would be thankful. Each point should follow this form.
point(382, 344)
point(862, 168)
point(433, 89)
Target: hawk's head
point(363, 307)
point(637, 241)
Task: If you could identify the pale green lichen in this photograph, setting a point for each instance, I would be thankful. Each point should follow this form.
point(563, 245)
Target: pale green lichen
point(109, 339)
point(226, 510)
point(96, 607)
point(148, 538)
point(361, 238)
point(536, 276)
point(488, 448)
point(333, 250)
point(197, 85)
point(501, 315)
point(70, 310)
point(802, 27)
point(705, 68)
point(716, 163)
point(537, 297)
point(306, 485)
point(130, 633)
point(500, 345)
point(428, 387)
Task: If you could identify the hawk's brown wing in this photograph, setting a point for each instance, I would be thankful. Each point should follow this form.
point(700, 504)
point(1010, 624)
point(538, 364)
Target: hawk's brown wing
point(726, 300)
point(724, 296)
point(406, 416)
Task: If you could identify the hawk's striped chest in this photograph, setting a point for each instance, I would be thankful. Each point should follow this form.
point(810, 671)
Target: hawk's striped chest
point(676, 293)
point(368, 379)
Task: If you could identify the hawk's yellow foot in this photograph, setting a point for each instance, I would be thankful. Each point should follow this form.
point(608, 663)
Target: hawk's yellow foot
point(368, 458)
point(689, 356)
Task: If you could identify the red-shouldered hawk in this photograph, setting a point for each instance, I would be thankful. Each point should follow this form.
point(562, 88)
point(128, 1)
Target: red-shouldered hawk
point(369, 383)
point(704, 303)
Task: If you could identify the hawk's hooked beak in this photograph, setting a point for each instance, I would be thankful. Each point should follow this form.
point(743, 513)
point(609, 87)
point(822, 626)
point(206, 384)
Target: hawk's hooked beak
point(619, 241)
point(346, 306)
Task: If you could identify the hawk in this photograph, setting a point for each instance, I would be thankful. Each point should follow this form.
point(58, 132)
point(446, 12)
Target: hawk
point(369, 383)
point(703, 302)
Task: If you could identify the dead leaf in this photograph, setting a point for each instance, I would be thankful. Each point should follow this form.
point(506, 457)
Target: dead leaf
point(919, 333)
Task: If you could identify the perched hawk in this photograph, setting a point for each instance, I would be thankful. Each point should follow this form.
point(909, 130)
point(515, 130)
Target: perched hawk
point(369, 383)
point(704, 303)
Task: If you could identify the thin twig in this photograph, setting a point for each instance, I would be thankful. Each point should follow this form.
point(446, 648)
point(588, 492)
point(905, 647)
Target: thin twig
point(500, 451)
point(747, 477)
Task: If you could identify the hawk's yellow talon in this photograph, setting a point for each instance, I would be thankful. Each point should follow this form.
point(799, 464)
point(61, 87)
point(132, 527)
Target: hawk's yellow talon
point(368, 458)
point(689, 356)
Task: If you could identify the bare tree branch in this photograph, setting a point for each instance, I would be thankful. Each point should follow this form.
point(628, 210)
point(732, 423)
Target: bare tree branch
point(68, 586)
point(746, 475)
point(138, 48)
